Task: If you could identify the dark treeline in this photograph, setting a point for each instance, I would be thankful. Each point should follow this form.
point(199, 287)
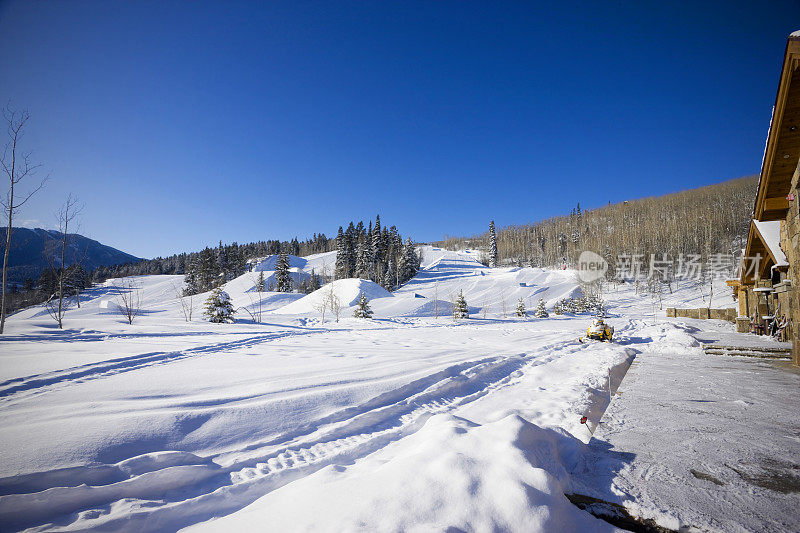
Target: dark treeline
point(228, 257)
point(375, 253)
point(708, 221)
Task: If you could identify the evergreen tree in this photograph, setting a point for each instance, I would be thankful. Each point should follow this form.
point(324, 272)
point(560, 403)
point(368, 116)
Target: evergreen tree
point(342, 269)
point(218, 307)
point(377, 240)
point(260, 285)
point(362, 308)
point(191, 281)
point(492, 245)
point(283, 281)
point(521, 311)
point(388, 281)
point(362, 269)
point(408, 263)
point(541, 311)
point(460, 309)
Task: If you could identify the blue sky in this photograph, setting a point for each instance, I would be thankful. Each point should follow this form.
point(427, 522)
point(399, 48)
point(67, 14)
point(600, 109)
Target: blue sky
point(182, 124)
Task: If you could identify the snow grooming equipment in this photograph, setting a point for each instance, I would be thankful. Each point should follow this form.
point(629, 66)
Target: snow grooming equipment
point(600, 331)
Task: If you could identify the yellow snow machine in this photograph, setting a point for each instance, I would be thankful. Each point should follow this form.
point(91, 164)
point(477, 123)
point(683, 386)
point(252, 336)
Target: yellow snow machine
point(600, 331)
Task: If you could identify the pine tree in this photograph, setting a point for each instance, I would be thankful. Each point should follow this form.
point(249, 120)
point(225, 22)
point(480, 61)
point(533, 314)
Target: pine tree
point(521, 311)
point(260, 286)
point(342, 269)
point(218, 307)
point(191, 281)
point(541, 311)
point(408, 263)
point(493, 257)
point(362, 269)
point(377, 240)
point(283, 281)
point(362, 308)
point(388, 279)
point(460, 309)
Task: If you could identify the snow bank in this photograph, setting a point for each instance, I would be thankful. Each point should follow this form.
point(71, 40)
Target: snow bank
point(347, 290)
point(452, 475)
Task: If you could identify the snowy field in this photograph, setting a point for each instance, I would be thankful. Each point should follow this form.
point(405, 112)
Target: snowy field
point(409, 421)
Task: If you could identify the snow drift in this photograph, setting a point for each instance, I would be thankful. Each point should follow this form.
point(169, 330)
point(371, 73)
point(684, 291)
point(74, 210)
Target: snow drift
point(347, 290)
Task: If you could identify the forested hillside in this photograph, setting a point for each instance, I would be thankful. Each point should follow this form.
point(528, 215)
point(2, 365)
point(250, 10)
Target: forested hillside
point(707, 221)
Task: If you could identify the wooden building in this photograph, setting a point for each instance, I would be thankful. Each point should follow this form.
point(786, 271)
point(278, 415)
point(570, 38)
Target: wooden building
point(769, 284)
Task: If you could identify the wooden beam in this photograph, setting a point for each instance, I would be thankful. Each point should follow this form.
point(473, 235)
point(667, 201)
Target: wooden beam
point(776, 204)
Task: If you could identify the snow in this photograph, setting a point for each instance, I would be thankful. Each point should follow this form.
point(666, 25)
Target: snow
point(771, 233)
point(729, 426)
point(347, 290)
point(409, 421)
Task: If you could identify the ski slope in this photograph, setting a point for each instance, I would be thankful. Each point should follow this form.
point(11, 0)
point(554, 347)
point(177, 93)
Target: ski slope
point(408, 421)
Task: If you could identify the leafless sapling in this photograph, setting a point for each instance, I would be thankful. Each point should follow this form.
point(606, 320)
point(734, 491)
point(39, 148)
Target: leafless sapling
point(17, 166)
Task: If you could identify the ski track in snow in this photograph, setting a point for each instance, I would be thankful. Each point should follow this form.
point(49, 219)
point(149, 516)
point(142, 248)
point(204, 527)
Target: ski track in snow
point(38, 383)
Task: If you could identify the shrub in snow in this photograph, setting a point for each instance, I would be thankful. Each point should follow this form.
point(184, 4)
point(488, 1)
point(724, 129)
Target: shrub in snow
point(460, 308)
point(362, 307)
point(521, 311)
point(218, 307)
point(541, 311)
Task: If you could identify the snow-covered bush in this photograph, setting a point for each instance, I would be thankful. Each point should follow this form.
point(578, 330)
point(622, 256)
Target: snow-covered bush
point(541, 311)
point(362, 308)
point(460, 308)
point(218, 307)
point(521, 311)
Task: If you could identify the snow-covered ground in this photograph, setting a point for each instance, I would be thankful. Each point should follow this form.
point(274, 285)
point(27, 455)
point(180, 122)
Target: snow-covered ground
point(410, 421)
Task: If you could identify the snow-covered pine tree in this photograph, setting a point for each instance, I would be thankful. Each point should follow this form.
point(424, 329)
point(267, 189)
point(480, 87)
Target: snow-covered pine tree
point(521, 311)
point(342, 269)
point(388, 279)
point(260, 286)
point(362, 308)
point(283, 281)
point(314, 282)
point(541, 310)
point(362, 259)
point(218, 307)
point(409, 261)
point(351, 238)
point(460, 308)
point(377, 241)
point(493, 256)
point(190, 279)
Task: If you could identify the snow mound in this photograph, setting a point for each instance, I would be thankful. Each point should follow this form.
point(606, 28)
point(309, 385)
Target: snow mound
point(347, 290)
point(509, 475)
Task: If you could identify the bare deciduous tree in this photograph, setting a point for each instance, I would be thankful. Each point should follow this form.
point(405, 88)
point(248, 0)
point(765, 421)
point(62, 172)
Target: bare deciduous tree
point(17, 166)
point(128, 298)
point(186, 302)
point(57, 259)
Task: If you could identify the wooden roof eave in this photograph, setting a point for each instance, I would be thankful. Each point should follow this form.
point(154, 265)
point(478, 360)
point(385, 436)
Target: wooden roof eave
point(771, 203)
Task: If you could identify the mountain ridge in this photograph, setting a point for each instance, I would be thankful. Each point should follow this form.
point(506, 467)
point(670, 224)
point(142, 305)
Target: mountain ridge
point(28, 259)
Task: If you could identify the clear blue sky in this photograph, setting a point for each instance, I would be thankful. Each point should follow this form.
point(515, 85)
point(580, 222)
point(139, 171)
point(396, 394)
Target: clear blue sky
point(181, 124)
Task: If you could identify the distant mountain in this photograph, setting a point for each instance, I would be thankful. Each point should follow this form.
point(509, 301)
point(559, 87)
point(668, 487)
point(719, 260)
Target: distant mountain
point(28, 260)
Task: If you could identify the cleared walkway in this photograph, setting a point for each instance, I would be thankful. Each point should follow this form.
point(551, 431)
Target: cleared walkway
point(694, 440)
